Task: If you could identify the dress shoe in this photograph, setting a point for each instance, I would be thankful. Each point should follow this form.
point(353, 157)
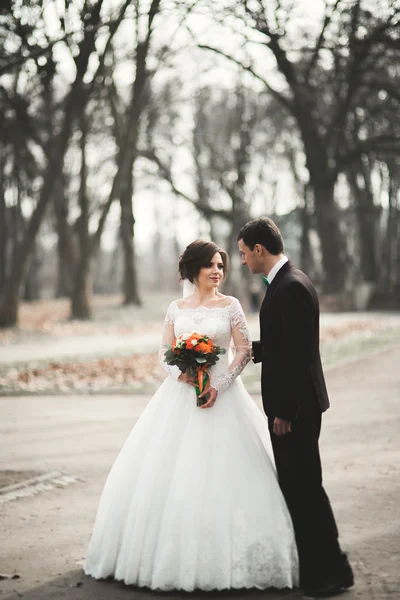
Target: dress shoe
point(324, 590)
point(341, 580)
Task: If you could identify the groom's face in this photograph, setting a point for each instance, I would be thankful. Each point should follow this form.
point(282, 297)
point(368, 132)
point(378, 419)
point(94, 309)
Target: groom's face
point(251, 258)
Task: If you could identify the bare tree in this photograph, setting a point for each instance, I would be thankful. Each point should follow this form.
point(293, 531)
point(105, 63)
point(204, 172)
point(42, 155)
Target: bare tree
point(127, 119)
point(127, 123)
point(368, 214)
point(69, 109)
point(391, 242)
point(226, 154)
point(323, 79)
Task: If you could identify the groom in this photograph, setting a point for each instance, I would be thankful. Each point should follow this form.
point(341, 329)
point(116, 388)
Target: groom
point(294, 397)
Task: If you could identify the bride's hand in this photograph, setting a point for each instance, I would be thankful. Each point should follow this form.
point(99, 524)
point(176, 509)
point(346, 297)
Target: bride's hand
point(212, 396)
point(185, 378)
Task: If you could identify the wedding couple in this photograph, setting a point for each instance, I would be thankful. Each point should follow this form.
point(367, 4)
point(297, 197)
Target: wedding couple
point(220, 497)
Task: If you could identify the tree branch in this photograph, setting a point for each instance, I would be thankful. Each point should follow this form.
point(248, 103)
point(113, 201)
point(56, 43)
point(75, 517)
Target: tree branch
point(392, 90)
point(165, 172)
point(273, 43)
point(321, 37)
point(380, 143)
point(113, 28)
point(280, 97)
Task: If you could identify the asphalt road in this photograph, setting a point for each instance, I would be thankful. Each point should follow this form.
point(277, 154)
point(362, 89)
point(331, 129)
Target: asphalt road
point(44, 536)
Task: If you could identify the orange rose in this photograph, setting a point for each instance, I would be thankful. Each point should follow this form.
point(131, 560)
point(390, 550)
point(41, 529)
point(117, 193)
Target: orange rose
point(203, 347)
point(194, 337)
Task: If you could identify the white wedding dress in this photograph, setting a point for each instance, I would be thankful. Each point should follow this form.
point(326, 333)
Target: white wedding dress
point(192, 500)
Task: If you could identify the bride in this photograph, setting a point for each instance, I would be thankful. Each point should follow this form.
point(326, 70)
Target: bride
point(192, 500)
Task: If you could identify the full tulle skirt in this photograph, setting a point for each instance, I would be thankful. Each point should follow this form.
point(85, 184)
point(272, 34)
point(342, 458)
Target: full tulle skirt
point(192, 500)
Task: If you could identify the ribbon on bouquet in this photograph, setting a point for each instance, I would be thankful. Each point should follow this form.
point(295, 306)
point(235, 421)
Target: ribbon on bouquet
point(203, 382)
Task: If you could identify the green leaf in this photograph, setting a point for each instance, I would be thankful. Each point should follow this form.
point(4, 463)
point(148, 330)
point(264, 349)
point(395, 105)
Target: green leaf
point(170, 355)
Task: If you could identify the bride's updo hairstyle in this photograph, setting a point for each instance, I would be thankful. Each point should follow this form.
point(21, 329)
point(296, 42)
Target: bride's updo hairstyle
point(198, 255)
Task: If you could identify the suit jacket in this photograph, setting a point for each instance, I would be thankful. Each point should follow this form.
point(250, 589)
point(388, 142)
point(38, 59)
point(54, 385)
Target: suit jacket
point(289, 346)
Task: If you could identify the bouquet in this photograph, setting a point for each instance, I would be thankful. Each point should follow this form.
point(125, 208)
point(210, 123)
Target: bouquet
point(195, 353)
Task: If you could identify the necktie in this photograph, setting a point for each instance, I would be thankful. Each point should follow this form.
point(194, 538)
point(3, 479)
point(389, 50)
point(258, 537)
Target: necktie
point(265, 280)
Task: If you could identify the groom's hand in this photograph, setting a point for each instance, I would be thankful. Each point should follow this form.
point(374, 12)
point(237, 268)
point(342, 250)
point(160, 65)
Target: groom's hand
point(281, 427)
point(212, 396)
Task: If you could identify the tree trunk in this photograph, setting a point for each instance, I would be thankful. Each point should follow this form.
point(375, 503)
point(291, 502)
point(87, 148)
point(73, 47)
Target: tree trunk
point(14, 281)
point(322, 181)
point(3, 233)
point(306, 257)
point(240, 216)
point(396, 253)
point(367, 223)
point(305, 247)
point(124, 181)
point(367, 218)
point(63, 290)
point(9, 312)
point(397, 256)
point(10, 299)
point(81, 295)
point(391, 254)
point(65, 243)
point(131, 293)
point(113, 267)
point(123, 184)
point(130, 283)
point(158, 252)
point(73, 105)
point(32, 285)
point(332, 243)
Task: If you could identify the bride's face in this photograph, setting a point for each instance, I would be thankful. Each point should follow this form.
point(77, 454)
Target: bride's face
point(211, 275)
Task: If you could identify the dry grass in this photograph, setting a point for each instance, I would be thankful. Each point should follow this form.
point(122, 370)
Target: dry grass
point(128, 372)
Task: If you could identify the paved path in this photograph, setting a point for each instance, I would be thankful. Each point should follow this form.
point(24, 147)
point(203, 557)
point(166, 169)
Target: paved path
point(44, 537)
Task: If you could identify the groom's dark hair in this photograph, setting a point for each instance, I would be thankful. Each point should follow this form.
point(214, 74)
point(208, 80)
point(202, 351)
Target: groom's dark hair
point(262, 231)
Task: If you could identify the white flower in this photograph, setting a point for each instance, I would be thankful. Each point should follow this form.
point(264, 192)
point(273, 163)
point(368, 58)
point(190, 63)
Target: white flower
point(194, 343)
point(185, 336)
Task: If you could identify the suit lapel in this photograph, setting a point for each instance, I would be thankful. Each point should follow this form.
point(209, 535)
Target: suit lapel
point(271, 289)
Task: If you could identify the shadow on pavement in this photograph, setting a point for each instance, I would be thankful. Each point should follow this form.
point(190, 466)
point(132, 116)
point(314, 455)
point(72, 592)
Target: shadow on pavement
point(75, 585)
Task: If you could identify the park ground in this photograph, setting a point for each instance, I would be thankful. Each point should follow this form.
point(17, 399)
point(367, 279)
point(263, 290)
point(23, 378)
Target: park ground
point(59, 442)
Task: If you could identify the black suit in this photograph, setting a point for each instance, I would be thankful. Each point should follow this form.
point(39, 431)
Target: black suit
point(293, 388)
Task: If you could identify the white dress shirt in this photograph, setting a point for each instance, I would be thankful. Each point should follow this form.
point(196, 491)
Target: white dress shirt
point(276, 268)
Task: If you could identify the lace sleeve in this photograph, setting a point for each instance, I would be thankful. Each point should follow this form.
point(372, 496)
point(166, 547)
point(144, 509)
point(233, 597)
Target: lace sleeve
point(168, 336)
point(242, 347)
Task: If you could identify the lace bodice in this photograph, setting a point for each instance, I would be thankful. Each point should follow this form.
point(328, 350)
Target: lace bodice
point(226, 326)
